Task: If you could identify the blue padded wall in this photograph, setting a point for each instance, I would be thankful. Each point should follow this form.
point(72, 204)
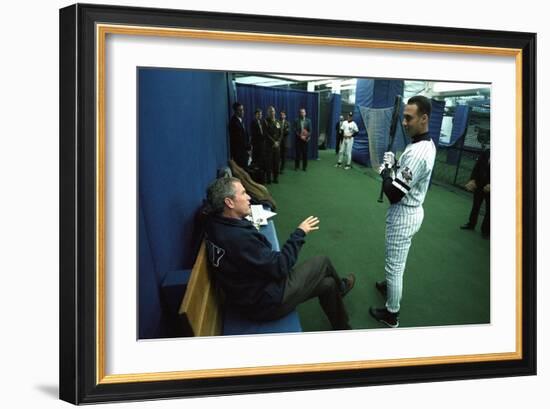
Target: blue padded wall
point(182, 127)
point(150, 310)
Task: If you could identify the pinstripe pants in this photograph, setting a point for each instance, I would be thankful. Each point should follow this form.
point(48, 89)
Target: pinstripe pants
point(345, 150)
point(402, 223)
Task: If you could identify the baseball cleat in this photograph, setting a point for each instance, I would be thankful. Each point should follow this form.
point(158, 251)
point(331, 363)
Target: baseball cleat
point(391, 319)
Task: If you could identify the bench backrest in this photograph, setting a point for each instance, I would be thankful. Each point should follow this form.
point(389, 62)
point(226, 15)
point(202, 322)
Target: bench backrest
point(200, 308)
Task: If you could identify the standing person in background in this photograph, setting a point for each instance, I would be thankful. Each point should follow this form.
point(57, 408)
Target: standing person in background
point(405, 183)
point(258, 144)
point(272, 146)
point(285, 129)
point(239, 143)
point(349, 130)
point(339, 134)
point(302, 131)
point(479, 184)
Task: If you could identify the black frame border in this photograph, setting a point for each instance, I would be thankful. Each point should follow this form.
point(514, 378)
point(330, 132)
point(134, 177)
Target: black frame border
point(78, 197)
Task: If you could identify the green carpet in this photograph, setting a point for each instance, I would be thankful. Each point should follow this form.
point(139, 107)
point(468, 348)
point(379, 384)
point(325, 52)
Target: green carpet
point(446, 280)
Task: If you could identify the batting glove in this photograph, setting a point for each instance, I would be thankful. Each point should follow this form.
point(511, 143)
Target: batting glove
point(389, 159)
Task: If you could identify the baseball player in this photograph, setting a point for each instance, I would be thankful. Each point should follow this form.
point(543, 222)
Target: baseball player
point(405, 183)
point(349, 130)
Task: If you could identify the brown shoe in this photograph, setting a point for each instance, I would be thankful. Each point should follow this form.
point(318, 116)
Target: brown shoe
point(347, 284)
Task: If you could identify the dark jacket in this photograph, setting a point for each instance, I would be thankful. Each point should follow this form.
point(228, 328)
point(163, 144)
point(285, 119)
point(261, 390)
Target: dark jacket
point(251, 275)
point(272, 132)
point(239, 143)
point(285, 129)
point(257, 131)
point(482, 170)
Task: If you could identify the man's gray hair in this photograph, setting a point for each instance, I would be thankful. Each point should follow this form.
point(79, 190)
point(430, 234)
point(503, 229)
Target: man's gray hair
point(217, 191)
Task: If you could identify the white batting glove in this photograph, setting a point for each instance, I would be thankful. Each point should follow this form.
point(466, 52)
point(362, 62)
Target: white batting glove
point(389, 159)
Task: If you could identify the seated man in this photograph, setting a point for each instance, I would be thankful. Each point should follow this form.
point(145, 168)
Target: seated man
point(258, 282)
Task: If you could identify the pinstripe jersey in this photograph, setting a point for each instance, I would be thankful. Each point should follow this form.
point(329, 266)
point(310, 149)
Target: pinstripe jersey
point(414, 170)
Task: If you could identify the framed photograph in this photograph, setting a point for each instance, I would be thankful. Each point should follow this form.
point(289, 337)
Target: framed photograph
point(147, 97)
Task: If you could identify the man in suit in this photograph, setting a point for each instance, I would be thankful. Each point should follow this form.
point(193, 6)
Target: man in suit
point(284, 138)
point(257, 130)
point(239, 143)
point(272, 146)
point(479, 184)
point(302, 131)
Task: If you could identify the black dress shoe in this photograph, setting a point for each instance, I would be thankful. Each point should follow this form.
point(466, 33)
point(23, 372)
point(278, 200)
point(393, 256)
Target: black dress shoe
point(391, 319)
point(467, 226)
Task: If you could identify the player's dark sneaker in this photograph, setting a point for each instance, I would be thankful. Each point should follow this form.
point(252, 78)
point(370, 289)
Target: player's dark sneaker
point(467, 226)
point(391, 319)
point(347, 284)
point(382, 287)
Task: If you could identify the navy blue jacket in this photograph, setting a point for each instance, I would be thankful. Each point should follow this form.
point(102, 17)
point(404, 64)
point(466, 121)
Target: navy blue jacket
point(251, 274)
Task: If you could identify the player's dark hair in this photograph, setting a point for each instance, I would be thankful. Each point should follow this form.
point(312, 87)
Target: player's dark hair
point(424, 104)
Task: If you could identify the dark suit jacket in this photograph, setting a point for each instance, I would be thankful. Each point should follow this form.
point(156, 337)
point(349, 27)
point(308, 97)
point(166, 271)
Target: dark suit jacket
point(482, 170)
point(258, 140)
point(239, 142)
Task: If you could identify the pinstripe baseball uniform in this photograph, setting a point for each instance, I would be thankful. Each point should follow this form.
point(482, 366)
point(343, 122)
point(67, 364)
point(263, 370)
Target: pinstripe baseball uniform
point(349, 129)
point(404, 218)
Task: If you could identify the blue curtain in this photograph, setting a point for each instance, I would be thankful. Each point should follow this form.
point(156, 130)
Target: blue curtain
point(333, 118)
point(182, 126)
point(253, 96)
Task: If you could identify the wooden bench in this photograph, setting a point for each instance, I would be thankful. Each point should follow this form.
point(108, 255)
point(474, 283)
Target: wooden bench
point(202, 312)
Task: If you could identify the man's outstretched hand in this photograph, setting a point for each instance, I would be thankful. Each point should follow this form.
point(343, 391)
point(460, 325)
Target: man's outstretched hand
point(309, 224)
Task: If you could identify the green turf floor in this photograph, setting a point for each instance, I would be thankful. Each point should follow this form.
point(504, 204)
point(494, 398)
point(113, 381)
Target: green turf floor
point(447, 278)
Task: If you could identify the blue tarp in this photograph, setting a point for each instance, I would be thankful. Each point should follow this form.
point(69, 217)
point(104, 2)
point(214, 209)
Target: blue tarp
point(460, 127)
point(333, 119)
point(436, 119)
point(371, 94)
point(378, 123)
